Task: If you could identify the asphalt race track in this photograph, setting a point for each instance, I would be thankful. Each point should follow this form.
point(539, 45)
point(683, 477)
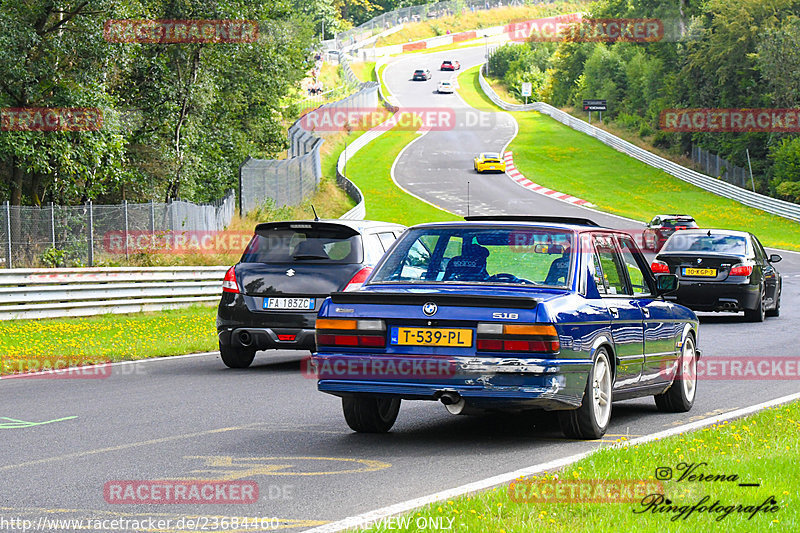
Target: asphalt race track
point(191, 417)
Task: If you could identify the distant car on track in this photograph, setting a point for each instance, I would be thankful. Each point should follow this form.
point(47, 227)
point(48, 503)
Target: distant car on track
point(722, 270)
point(489, 161)
point(661, 227)
point(446, 86)
point(508, 314)
point(271, 296)
point(421, 75)
point(450, 65)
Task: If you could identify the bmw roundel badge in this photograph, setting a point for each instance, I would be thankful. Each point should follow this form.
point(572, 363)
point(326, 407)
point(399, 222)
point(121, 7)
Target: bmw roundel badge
point(429, 309)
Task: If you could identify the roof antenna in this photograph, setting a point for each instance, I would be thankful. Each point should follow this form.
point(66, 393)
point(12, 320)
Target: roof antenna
point(709, 233)
point(467, 197)
point(316, 218)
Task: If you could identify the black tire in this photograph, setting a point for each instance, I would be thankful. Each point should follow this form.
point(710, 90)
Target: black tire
point(583, 422)
point(777, 310)
point(679, 397)
point(757, 314)
point(236, 357)
point(368, 414)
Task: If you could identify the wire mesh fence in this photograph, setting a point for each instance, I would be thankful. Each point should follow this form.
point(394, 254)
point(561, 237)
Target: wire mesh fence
point(713, 165)
point(289, 181)
point(89, 234)
point(409, 14)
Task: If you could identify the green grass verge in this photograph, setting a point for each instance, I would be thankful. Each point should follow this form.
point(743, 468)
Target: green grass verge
point(370, 169)
point(364, 70)
point(762, 449)
point(556, 156)
point(27, 345)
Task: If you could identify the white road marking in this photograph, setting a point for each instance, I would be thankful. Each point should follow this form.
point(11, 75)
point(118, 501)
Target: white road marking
point(403, 507)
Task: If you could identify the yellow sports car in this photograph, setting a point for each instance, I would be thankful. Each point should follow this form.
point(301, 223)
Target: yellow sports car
point(489, 161)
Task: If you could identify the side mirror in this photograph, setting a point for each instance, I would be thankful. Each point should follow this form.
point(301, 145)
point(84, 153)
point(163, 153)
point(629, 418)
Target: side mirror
point(666, 283)
point(774, 258)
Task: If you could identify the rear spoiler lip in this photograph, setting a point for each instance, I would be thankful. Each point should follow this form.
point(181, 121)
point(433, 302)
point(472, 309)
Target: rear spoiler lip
point(454, 300)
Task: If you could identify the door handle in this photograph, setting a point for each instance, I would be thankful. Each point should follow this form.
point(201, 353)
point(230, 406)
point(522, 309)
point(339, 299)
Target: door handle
point(646, 312)
point(614, 312)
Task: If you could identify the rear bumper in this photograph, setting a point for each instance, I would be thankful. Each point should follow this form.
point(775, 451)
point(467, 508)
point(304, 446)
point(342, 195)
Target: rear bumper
point(239, 326)
point(266, 338)
point(486, 382)
point(716, 296)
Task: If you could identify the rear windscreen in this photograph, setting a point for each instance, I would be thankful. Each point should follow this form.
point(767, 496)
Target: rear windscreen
point(308, 245)
point(720, 244)
point(685, 222)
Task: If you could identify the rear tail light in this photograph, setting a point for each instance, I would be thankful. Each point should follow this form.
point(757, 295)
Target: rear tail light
point(351, 332)
point(358, 280)
point(229, 282)
point(496, 337)
point(659, 267)
point(741, 270)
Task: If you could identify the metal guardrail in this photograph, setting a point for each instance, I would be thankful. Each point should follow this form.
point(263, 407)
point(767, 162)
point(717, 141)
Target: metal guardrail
point(62, 292)
point(713, 185)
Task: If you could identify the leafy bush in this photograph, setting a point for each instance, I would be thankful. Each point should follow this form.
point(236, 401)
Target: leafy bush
point(789, 190)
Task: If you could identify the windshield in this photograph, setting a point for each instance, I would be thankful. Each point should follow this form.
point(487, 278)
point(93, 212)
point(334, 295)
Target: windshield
point(679, 222)
point(531, 256)
point(311, 245)
point(700, 242)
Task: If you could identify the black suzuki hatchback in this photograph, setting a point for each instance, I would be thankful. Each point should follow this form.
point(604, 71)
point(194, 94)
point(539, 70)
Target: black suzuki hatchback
point(271, 297)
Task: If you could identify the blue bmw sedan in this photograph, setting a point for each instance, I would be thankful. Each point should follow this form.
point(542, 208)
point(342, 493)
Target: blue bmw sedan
point(508, 313)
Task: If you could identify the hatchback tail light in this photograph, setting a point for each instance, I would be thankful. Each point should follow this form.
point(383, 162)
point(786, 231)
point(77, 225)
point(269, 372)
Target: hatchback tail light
point(351, 332)
point(538, 338)
point(741, 270)
point(229, 282)
point(659, 267)
point(358, 280)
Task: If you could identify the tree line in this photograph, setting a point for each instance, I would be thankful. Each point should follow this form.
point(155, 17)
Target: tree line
point(178, 118)
point(727, 54)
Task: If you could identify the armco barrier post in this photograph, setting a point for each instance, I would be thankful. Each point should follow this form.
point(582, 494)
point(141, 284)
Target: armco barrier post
point(53, 225)
point(8, 234)
point(125, 231)
point(91, 233)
